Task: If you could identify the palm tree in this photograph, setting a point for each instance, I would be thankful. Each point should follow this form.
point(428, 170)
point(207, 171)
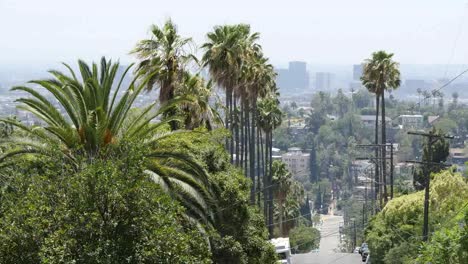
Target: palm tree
point(282, 179)
point(197, 111)
point(381, 74)
point(259, 78)
point(166, 53)
point(269, 117)
point(94, 118)
point(225, 53)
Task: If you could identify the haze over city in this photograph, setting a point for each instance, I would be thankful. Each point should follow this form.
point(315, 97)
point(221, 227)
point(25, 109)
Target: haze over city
point(318, 32)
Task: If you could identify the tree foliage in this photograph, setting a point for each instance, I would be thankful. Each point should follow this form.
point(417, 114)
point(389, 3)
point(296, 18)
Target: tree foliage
point(108, 212)
point(401, 220)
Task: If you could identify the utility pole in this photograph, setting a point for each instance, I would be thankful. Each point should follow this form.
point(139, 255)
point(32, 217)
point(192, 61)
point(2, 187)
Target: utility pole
point(363, 214)
point(431, 139)
point(391, 171)
point(377, 184)
point(354, 239)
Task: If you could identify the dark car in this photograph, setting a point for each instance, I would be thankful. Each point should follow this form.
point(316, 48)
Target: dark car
point(363, 247)
point(365, 254)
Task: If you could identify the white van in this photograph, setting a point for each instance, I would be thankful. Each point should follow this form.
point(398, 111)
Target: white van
point(283, 249)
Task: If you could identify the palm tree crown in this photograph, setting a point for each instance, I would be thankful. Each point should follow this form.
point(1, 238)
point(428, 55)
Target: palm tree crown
point(166, 53)
point(94, 117)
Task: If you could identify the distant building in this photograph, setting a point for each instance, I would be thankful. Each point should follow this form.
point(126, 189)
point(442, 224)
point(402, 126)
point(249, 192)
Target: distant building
point(369, 120)
point(458, 157)
point(357, 72)
point(295, 77)
point(323, 80)
point(411, 121)
point(298, 128)
point(298, 163)
point(432, 119)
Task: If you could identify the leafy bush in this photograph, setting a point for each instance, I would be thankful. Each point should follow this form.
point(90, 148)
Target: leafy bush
point(108, 212)
point(398, 227)
point(303, 239)
point(448, 245)
point(239, 232)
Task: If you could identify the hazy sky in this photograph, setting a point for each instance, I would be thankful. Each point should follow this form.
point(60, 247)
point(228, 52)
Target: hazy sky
point(319, 32)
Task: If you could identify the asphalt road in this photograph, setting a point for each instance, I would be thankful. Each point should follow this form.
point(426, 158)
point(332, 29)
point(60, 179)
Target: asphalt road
point(329, 246)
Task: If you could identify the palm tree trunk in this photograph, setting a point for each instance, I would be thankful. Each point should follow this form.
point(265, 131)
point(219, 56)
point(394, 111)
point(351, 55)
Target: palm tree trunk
point(231, 116)
point(242, 125)
point(236, 130)
point(384, 141)
point(252, 151)
point(266, 184)
point(270, 189)
point(247, 140)
point(226, 118)
point(259, 184)
point(376, 178)
point(262, 168)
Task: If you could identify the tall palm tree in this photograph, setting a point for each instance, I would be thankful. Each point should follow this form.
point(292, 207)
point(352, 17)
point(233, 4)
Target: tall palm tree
point(269, 117)
point(258, 80)
point(94, 118)
point(381, 74)
point(167, 54)
point(225, 53)
point(282, 179)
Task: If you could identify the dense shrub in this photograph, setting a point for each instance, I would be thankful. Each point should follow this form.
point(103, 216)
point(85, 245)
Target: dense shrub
point(304, 239)
point(107, 212)
point(396, 231)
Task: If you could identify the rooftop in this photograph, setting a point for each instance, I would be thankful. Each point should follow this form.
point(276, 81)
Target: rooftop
point(372, 118)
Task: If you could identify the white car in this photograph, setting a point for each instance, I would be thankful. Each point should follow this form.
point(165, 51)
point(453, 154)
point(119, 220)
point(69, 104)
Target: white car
point(283, 249)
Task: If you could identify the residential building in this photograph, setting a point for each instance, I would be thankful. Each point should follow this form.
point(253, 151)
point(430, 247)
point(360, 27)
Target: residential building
point(298, 163)
point(458, 156)
point(369, 120)
point(411, 121)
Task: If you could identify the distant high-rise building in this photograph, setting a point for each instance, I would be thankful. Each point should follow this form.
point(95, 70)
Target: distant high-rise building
point(357, 71)
point(295, 77)
point(323, 80)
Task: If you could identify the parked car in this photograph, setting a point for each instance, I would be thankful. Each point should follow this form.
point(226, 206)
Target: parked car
point(283, 249)
point(365, 254)
point(363, 247)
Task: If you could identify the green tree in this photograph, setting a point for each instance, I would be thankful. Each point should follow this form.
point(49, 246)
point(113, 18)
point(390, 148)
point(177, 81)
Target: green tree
point(270, 117)
point(197, 112)
point(163, 59)
point(437, 154)
point(108, 212)
point(401, 219)
point(303, 239)
point(314, 169)
point(381, 74)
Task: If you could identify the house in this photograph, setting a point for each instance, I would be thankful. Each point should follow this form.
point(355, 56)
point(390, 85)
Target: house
point(458, 156)
point(369, 120)
point(298, 163)
point(411, 121)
